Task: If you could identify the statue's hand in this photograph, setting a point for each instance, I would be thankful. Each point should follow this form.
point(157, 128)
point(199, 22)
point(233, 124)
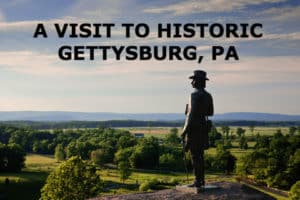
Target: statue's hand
point(182, 138)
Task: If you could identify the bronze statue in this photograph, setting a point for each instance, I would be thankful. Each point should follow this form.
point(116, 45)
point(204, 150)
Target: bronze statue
point(197, 125)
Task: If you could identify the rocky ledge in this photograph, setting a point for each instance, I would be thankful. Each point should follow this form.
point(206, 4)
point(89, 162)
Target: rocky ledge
point(226, 190)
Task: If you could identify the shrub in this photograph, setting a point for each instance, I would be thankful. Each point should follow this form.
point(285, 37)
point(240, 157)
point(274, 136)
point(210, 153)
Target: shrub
point(295, 191)
point(148, 185)
point(167, 161)
point(74, 179)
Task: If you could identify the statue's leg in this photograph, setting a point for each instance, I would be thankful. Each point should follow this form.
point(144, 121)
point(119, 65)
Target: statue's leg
point(198, 166)
point(201, 170)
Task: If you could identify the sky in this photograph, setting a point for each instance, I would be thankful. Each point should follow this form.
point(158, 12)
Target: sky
point(264, 79)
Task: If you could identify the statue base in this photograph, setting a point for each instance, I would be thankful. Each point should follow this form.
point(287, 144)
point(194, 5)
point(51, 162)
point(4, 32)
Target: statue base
point(195, 190)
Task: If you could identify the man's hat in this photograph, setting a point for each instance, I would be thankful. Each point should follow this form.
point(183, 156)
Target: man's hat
point(199, 74)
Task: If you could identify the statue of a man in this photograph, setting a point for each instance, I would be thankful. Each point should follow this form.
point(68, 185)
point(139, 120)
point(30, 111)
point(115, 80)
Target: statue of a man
point(197, 125)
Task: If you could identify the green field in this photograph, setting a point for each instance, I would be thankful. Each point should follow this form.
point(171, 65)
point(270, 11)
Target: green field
point(27, 184)
point(257, 130)
point(161, 131)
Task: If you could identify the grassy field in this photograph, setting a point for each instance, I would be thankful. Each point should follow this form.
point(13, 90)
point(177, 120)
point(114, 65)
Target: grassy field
point(257, 130)
point(162, 131)
point(159, 132)
point(27, 184)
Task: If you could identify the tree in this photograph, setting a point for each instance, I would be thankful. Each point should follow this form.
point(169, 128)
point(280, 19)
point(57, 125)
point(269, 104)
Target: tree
point(225, 130)
point(262, 141)
point(99, 157)
point(240, 131)
point(59, 153)
point(78, 148)
point(295, 191)
point(224, 160)
point(12, 158)
point(168, 161)
point(254, 163)
point(227, 144)
point(292, 130)
point(243, 143)
point(124, 170)
point(172, 137)
point(214, 136)
point(126, 141)
point(145, 154)
point(123, 155)
point(74, 179)
point(251, 128)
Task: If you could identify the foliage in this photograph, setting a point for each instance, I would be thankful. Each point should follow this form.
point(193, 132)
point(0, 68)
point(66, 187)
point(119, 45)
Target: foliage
point(224, 160)
point(214, 136)
point(124, 170)
point(227, 144)
point(292, 130)
point(243, 143)
point(74, 179)
point(275, 161)
point(12, 158)
point(295, 191)
point(123, 155)
point(148, 185)
point(172, 138)
point(167, 161)
point(262, 141)
point(240, 131)
point(145, 154)
point(98, 157)
point(126, 141)
point(225, 130)
point(171, 158)
point(59, 153)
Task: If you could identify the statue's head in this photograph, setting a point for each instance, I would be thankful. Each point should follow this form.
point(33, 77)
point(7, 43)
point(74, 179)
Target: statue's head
point(199, 79)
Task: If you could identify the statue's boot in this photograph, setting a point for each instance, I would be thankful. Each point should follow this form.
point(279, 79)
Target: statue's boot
point(197, 184)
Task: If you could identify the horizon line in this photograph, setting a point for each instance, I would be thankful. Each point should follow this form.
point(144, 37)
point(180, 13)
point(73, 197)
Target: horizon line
point(143, 112)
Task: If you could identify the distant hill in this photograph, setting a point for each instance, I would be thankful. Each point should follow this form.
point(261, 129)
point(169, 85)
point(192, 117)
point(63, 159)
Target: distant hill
point(104, 116)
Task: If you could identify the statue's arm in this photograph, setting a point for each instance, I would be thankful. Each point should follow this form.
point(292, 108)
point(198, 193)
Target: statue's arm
point(186, 126)
point(210, 106)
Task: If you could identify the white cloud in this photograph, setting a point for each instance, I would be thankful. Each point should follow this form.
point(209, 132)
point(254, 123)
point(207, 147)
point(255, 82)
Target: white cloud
point(35, 63)
point(247, 70)
point(18, 26)
point(283, 13)
point(97, 10)
point(195, 6)
point(283, 36)
point(231, 84)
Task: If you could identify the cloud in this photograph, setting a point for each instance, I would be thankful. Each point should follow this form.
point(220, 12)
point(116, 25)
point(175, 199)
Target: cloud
point(283, 36)
point(20, 26)
point(283, 13)
point(195, 6)
point(248, 70)
point(98, 10)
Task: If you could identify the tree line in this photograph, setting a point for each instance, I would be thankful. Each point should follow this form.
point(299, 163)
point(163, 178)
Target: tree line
point(134, 123)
